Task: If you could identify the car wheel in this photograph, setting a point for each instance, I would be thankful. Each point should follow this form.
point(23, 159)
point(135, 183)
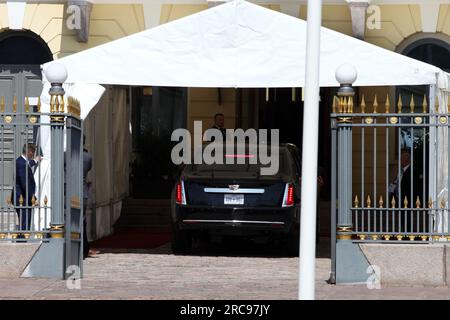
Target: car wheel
point(181, 241)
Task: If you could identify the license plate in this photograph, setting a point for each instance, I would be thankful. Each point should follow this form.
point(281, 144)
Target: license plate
point(233, 199)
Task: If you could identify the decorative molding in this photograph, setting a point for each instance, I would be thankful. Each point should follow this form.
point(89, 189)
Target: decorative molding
point(16, 12)
point(430, 15)
point(358, 10)
point(85, 19)
point(152, 13)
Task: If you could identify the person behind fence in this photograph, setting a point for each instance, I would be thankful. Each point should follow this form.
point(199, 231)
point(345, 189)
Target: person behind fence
point(403, 183)
point(87, 166)
point(25, 187)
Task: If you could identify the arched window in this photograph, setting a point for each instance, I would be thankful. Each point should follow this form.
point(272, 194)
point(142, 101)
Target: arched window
point(23, 48)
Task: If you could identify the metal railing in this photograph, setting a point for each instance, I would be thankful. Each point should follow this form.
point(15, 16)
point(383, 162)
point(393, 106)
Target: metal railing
point(25, 200)
point(392, 170)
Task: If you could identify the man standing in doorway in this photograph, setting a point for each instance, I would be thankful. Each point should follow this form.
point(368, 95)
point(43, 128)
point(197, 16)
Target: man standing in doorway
point(25, 187)
point(219, 124)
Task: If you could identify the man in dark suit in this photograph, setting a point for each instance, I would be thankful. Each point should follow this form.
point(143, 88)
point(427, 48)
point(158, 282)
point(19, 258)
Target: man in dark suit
point(219, 124)
point(401, 187)
point(25, 187)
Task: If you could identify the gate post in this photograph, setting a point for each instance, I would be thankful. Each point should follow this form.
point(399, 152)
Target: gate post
point(350, 263)
point(57, 74)
point(346, 75)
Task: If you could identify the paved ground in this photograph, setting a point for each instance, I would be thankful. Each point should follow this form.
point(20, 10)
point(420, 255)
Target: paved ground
point(235, 271)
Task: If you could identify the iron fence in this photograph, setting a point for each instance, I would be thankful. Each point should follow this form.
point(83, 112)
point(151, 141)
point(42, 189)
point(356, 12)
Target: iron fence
point(392, 170)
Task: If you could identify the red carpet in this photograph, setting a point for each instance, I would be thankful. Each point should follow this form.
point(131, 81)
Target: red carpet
point(133, 239)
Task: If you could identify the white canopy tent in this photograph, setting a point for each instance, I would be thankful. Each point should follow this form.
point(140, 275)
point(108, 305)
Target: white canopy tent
point(237, 44)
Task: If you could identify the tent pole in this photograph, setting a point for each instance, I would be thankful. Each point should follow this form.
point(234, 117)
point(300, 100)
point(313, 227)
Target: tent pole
point(309, 154)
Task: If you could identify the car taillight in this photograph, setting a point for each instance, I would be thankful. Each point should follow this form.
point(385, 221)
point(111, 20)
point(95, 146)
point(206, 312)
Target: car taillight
point(288, 199)
point(180, 195)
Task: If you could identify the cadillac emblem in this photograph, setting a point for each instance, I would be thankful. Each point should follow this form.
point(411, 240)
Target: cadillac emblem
point(233, 187)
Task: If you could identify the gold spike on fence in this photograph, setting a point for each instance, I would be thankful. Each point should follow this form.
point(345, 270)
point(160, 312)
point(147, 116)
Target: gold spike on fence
point(393, 202)
point(369, 202)
point(15, 104)
point(387, 105)
point(9, 201)
point(340, 104)
point(436, 105)
point(405, 202)
point(39, 104)
point(350, 104)
point(424, 104)
point(412, 105)
point(356, 202)
point(381, 202)
point(45, 201)
point(442, 203)
point(430, 203)
point(375, 105)
point(399, 104)
point(418, 204)
point(27, 105)
point(21, 200)
point(61, 105)
point(2, 104)
point(363, 105)
point(33, 201)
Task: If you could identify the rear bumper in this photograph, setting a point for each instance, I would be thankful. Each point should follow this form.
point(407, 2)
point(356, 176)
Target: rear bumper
point(237, 220)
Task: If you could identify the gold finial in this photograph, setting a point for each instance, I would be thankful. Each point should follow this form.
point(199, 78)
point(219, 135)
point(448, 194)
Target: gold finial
point(387, 105)
point(15, 104)
point(340, 104)
point(27, 105)
point(350, 104)
point(8, 201)
point(45, 201)
point(430, 203)
point(375, 105)
point(442, 203)
point(418, 204)
point(399, 104)
point(21, 200)
point(436, 105)
point(2, 104)
point(61, 105)
point(405, 202)
point(381, 202)
point(39, 104)
point(424, 104)
point(363, 105)
point(412, 105)
point(356, 201)
point(369, 202)
point(393, 202)
point(33, 200)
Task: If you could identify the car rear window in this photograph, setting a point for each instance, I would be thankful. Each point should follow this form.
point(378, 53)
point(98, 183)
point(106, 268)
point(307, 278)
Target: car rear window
point(247, 168)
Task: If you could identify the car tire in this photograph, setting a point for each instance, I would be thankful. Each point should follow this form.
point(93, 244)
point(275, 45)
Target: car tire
point(181, 241)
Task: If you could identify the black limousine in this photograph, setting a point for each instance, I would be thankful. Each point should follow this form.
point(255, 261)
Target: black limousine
point(237, 200)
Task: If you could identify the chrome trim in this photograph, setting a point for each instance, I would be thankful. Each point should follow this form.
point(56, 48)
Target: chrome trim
point(227, 190)
point(235, 221)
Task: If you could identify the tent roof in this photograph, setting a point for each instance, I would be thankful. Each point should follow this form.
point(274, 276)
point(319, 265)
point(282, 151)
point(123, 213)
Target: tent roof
point(238, 44)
